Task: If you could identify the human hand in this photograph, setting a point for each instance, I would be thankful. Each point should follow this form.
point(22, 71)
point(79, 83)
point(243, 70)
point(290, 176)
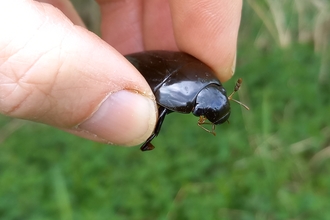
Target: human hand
point(54, 71)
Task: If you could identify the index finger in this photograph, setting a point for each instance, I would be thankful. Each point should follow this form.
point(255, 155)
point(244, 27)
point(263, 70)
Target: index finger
point(208, 29)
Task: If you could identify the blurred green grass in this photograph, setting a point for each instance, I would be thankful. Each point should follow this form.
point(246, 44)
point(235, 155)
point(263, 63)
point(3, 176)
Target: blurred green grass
point(271, 162)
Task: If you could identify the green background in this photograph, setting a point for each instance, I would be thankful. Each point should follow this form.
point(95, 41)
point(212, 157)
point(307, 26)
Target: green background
point(271, 162)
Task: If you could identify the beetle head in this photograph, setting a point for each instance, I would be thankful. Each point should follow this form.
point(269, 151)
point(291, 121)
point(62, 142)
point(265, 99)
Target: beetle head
point(212, 103)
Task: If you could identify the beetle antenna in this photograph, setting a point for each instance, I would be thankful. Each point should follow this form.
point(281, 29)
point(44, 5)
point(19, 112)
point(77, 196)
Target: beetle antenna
point(236, 88)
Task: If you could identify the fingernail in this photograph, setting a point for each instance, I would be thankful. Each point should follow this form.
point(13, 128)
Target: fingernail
point(233, 67)
point(225, 73)
point(124, 118)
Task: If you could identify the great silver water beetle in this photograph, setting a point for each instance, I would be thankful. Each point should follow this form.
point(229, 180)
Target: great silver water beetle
point(181, 83)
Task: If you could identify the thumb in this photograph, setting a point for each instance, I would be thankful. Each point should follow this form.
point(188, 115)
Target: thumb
point(56, 73)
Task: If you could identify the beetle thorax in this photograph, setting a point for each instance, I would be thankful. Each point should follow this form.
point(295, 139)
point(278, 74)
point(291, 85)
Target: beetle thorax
point(212, 103)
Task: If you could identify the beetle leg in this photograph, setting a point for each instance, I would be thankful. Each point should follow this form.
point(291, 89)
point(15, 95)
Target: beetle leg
point(200, 123)
point(162, 113)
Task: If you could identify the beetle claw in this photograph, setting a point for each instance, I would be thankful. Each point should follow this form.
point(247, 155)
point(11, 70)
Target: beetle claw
point(147, 146)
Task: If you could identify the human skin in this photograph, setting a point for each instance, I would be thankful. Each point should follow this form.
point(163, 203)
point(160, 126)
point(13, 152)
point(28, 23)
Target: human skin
point(54, 71)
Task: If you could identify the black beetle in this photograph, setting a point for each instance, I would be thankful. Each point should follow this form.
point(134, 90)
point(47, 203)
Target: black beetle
point(181, 83)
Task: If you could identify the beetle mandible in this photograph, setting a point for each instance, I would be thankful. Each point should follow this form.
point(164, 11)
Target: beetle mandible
point(181, 83)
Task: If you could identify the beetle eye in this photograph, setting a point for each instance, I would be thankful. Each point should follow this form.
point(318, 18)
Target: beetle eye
point(212, 102)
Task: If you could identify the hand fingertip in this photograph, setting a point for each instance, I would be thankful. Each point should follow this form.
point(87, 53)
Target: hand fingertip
point(124, 118)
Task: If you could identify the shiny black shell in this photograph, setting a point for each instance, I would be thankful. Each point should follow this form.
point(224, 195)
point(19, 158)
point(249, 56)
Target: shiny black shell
point(176, 78)
point(182, 83)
